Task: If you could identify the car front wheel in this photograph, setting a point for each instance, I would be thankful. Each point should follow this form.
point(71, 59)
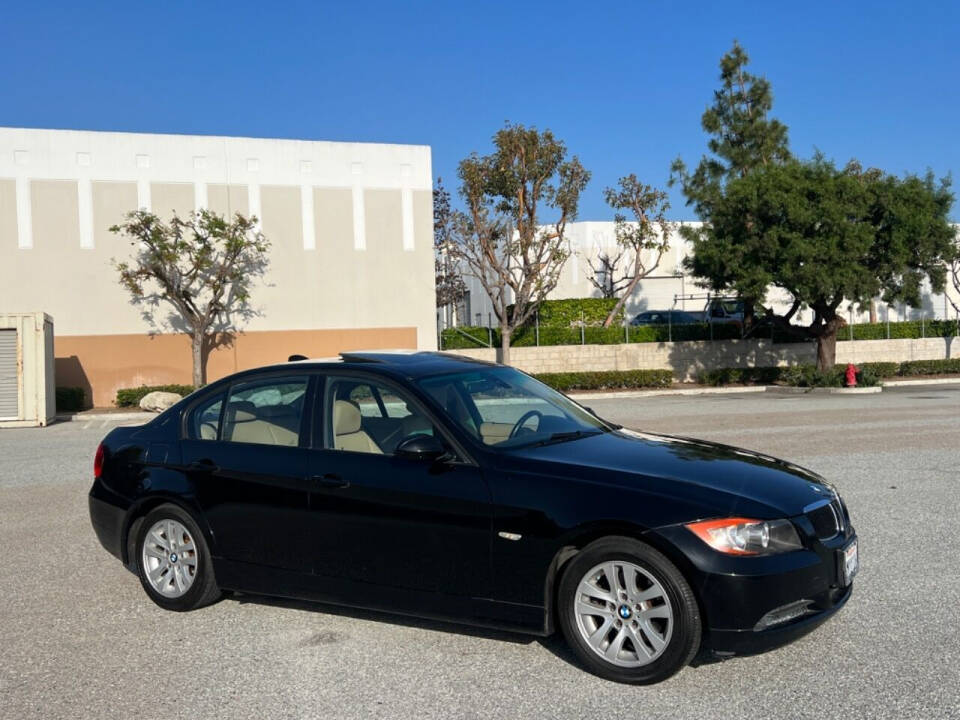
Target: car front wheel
point(627, 612)
point(173, 562)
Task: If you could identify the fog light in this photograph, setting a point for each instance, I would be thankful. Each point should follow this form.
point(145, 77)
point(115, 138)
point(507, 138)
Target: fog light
point(784, 614)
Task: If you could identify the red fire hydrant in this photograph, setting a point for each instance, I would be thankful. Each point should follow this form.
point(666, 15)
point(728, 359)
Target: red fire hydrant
point(851, 375)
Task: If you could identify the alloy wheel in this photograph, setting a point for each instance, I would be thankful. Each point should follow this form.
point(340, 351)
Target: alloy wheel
point(170, 559)
point(623, 614)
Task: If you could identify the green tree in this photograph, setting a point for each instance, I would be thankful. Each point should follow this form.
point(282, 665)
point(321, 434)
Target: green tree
point(825, 235)
point(501, 238)
point(641, 242)
point(743, 138)
point(201, 267)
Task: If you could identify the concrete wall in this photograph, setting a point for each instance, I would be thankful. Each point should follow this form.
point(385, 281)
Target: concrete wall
point(350, 227)
point(687, 359)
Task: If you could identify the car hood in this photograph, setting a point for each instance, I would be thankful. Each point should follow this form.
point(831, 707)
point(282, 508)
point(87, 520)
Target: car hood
point(728, 478)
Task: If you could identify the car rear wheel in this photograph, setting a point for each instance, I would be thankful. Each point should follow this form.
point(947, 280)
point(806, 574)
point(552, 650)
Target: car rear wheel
point(173, 562)
point(627, 612)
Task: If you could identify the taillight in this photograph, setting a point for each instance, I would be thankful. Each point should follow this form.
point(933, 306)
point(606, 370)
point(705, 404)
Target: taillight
point(98, 461)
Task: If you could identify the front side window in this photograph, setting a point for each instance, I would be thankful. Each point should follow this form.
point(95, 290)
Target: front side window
point(505, 408)
point(370, 417)
point(265, 412)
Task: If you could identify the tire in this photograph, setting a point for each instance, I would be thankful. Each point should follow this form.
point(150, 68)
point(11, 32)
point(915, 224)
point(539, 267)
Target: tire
point(653, 628)
point(173, 561)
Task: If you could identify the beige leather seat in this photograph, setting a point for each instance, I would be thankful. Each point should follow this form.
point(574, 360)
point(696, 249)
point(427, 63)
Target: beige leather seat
point(245, 423)
point(348, 431)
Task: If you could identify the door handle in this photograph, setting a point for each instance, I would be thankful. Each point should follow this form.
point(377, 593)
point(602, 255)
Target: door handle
point(330, 480)
point(206, 466)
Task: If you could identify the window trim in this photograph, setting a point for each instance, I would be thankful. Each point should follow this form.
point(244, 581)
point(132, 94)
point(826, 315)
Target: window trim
point(188, 414)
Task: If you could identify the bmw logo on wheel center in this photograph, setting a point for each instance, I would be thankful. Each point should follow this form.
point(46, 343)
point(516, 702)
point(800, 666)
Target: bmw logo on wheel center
point(624, 612)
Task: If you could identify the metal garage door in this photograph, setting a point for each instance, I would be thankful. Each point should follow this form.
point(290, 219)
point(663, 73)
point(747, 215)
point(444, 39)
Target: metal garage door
point(9, 407)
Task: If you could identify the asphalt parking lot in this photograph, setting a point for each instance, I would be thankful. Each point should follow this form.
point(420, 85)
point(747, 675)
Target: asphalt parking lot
point(80, 639)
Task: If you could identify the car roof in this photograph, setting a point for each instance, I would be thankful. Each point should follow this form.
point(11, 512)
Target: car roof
point(406, 363)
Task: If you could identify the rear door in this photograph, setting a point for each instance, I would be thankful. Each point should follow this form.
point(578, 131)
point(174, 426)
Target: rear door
point(246, 453)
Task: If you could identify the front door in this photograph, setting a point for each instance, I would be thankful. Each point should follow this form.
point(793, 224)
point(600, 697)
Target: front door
point(249, 464)
point(389, 521)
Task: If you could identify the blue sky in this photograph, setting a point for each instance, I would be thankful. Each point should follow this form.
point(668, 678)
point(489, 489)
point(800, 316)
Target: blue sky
point(624, 84)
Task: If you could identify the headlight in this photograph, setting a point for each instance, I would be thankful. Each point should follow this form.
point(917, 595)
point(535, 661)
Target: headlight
point(742, 536)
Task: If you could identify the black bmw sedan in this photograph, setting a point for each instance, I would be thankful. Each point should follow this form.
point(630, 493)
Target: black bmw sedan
point(438, 486)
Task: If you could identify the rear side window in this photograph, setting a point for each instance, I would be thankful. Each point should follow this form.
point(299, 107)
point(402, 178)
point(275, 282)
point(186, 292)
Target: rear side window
point(205, 421)
point(265, 412)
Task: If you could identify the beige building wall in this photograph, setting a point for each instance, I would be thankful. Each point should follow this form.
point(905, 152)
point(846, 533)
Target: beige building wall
point(350, 227)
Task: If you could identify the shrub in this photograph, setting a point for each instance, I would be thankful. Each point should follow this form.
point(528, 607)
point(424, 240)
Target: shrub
point(131, 397)
point(900, 330)
point(567, 312)
point(868, 378)
point(930, 367)
point(70, 399)
point(607, 379)
point(881, 369)
point(746, 376)
point(468, 337)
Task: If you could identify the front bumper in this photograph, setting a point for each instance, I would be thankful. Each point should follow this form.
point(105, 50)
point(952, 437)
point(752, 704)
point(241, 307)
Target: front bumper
point(750, 642)
point(735, 593)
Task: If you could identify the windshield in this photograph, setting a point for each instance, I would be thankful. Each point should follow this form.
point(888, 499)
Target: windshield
point(503, 408)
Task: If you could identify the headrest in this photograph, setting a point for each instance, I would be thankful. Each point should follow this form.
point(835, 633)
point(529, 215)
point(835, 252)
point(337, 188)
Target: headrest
point(346, 418)
point(241, 411)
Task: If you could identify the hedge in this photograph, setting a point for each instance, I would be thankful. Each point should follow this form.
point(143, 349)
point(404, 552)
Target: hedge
point(607, 379)
point(746, 376)
point(930, 367)
point(569, 312)
point(131, 397)
point(900, 330)
point(70, 399)
point(807, 375)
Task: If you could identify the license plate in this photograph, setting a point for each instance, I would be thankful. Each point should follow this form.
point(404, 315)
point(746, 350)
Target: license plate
point(850, 563)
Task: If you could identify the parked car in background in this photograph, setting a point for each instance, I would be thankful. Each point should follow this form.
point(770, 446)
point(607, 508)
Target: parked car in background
point(443, 487)
point(666, 317)
point(721, 311)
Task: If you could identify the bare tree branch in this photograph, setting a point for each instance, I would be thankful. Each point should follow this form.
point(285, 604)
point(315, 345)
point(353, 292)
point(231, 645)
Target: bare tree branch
point(499, 238)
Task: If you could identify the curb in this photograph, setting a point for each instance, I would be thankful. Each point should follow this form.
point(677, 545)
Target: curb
point(927, 381)
point(626, 394)
point(652, 393)
point(84, 417)
point(784, 390)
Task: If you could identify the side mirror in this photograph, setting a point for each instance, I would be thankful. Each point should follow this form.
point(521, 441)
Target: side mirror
point(421, 447)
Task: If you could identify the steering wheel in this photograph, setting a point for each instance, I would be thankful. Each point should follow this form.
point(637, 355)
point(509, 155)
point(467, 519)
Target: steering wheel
point(523, 419)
